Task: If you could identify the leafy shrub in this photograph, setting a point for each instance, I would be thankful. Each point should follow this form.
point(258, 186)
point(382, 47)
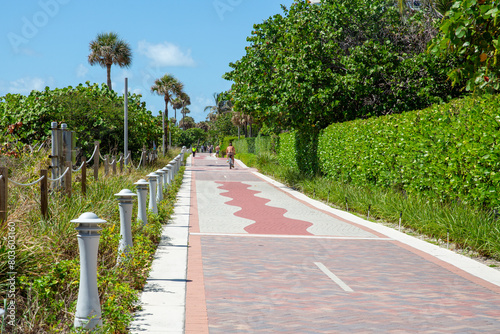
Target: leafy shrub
point(451, 151)
point(298, 151)
point(94, 112)
point(263, 144)
point(245, 145)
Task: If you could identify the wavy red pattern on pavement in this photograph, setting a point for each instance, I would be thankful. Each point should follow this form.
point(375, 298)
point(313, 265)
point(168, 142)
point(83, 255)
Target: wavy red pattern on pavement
point(268, 219)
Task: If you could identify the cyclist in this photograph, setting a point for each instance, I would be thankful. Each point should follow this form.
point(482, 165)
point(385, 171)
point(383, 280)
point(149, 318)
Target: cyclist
point(230, 151)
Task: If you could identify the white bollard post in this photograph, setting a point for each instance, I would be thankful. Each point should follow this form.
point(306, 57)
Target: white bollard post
point(125, 203)
point(174, 171)
point(177, 164)
point(88, 307)
point(153, 179)
point(142, 195)
point(165, 177)
point(159, 193)
point(180, 160)
point(170, 168)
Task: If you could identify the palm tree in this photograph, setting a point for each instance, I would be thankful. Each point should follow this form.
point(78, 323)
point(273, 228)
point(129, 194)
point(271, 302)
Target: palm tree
point(220, 106)
point(107, 49)
point(240, 119)
point(176, 103)
point(168, 87)
point(184, 112)
point(186, 101)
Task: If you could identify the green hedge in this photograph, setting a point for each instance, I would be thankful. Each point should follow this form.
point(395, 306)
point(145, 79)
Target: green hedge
point(245, 145)
point(254, 145)
point(263, 144)
point(298, 151)
point(451, 151)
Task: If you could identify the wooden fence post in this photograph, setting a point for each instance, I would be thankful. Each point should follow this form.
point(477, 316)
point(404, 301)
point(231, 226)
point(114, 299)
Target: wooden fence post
point(4, 181)
point(114, 164)
point(44, 193)
point(67, 179)
point(130, 162)
point(106, 165)
point(121, 163)
point(96, 162)
point(84, 176)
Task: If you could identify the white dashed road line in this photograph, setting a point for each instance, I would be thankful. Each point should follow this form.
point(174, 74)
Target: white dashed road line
point(333, 277)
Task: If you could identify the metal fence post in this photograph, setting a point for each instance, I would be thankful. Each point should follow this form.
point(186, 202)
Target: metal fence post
point(4, 192)
point(54, 156)
point(88, 307)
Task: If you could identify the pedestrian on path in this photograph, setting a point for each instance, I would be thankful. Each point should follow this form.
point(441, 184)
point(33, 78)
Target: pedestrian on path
point(217, 149)
point(194, 151)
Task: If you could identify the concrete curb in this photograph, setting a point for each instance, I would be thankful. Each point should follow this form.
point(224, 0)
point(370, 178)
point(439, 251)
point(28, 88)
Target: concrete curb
point(163, 300)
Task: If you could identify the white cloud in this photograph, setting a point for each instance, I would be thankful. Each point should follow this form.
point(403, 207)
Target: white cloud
point(27, 84)
point(81, 71)
point(166, 54)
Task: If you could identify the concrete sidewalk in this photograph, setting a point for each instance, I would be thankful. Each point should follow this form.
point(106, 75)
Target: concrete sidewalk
point(265, 259)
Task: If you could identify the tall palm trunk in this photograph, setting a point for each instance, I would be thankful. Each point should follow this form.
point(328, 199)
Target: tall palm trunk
point(165, 118)
point(108, 70)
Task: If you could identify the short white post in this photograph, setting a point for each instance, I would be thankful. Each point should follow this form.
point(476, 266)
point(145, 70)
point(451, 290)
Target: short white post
point(170, 170)
point(159, 193)
point(125, 203)
point(153, 179)
point(88, 307)
point(165, 177)
point(181, 155)
point(177, 163)
point(174, 168)
point(142, 195)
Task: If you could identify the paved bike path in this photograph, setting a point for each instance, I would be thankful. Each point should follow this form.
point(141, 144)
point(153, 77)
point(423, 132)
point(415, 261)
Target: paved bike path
point(265, 259)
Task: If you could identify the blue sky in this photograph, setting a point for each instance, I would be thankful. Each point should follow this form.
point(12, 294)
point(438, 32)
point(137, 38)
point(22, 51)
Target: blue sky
point(46, 43)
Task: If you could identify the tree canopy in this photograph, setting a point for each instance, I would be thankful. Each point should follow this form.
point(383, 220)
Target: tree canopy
point(341, 60)
point(470, 30)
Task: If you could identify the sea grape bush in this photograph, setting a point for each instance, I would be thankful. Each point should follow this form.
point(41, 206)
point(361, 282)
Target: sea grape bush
point(94, 112)
point(342, 60)
point(450, 152)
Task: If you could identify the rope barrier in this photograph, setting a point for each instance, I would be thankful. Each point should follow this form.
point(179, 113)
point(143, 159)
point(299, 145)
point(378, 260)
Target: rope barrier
point(102, 157)
point(120, 159)
point(27, 184)
point(78, 169)
point(92, 157)
point(140, 161)
point(60, 177)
